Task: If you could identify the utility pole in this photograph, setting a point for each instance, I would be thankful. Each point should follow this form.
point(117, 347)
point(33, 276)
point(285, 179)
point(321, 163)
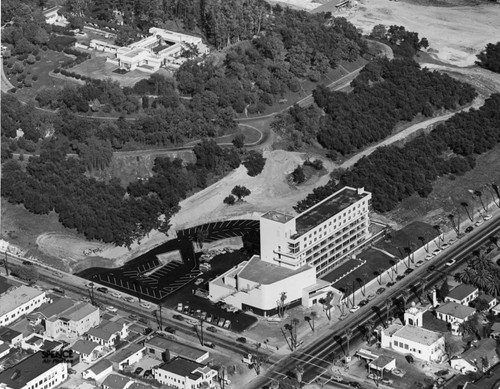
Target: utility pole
point(91, 293)
point(6, 264)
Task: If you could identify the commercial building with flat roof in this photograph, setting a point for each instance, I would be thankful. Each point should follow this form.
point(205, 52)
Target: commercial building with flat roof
point(34, 372)
point(182, 373)
point(321, 236)
point(18, 302)
point(421, 343)
point(161, 347)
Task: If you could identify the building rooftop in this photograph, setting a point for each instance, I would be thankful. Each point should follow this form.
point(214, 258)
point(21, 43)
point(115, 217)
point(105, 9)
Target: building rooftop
point(418, 335)
point(100, 366)
point(454, 309)
point(183, 367)
point(126, 352)
point(4, 347)
point(115, 381)
point(84, 346)
point(461, 291)
point(17, 376)
point(16, 297)
point(327, 208)
point(267, 273)
point(105, 330)
point(483, 348)
point(277, 216)
point(78, 312)
point(392, 329)
point(4, 285)
point(181, 349)
point(7, 334)
point(138, 385)
point(495, 327)
point(381, 362)
point(45, 344)
point(55, 308)
point(488, 298)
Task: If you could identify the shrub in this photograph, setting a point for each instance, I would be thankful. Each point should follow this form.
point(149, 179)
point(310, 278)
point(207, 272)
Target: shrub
point(28, 83)
point(13, 90)
point(44, 48)
point(254, 163)
point(31, 59)
point(57, 70)
point(35, 52)
point(38, 58)
point(20, 85)
point(5, 62)
point(34, 78)
point(21, 77)
point(230, 200)
point(106, 108)
point(77, 76)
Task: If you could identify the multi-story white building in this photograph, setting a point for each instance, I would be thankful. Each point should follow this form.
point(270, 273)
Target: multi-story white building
point(18, 302)
point(182, 373)
point(321, 236)
point(34, 372)
point(72, 322)
point(419, 342)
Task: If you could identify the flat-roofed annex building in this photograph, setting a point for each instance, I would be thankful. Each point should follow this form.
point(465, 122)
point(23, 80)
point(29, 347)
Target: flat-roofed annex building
point(18, 302)
point(182, 373)
point(321, 236)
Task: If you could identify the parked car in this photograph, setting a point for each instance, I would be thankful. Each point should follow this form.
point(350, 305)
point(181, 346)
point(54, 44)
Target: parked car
point(148, 374)
point(209, 318)
point(178, 317)
point(380, 290)
point(436, 252)
point(221, 322)
point(451, 241)
point(428, 257)
point(409, 270)
point(116, 294)
point(102, 289)
point(444, 246)
point(143, 320)
point(203, 315)
point(209, 344)
point(419, 263)
point(354, 309)
point(362, 303)
point(370, 297)
point(400, 277)
point(354, 384)
point(133, 316)
point(487, 217)
point(147, 331)
point(129, 299)
point(241, 339)
point(431, 268)
point(479, 222)
point(198, 281)
point(227, 324)
point(469, 229)
point(450, 262)
point(211, 329)
point(179, 307)
point(389, 284)
point(337, 378)
point(28, 263)
point(170, 329)
point(193, 322)
point(138, 371)
point(71, 371)
point(110, 308)
point(145, 305)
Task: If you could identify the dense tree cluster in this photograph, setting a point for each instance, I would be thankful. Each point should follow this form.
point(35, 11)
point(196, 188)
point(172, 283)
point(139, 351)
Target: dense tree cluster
point(254, 162)
point(403, 43)
point(385, 93)
point(107, 211)
point(254, 75)
point(490, 58)
point(394, 173)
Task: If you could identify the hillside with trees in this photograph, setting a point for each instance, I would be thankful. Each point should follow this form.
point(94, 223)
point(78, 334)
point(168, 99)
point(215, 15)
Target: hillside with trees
point(384, 94)
point(394, 173)
point(490, 57)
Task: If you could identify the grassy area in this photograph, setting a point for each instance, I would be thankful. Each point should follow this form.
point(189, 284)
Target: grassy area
point(448, 193)
point(22, 228)
point(407, 236)
point(48, 62)
point(432, 323)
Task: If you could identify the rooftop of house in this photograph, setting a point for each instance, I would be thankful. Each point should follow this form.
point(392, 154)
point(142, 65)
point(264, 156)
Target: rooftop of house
point(44, 344)
point(181, 349)
point(418, 335)
point(17, 376)
point(484, 347)
point(55, 308)
point(126, 352)
point(8, 334)
point(326, 209)
point(456, 310)
point(183, 367)
point(100, 366)
point(84, 346)
point(277, 217)
point(80, 311)
point(461, 291)
point(115, 381)
point(392, 329)
point(381, 362)
point(488, 298)
point(105, 330)
point(267, 273)
point(4, 346)
point(12, 299)
point(138, 385)
point(495, 327)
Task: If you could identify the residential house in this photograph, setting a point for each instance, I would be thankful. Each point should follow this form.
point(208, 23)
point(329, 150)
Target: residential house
point(419, 342)
point(4, 349)
point(182, 373)
point(108, 333)
point(462, 294)
point(496, 309)
point(495, 331)
point(71, 321)
point(98, 371)
point(127, 356)
point(455, 314)
point(10, 336)
point(53, 16)
point(165, 349)
point(473, 359)
point(32, 372)
point(491, 300)
point(18, 302)
point(35, 342)
point(87, 350)
point(115, 381)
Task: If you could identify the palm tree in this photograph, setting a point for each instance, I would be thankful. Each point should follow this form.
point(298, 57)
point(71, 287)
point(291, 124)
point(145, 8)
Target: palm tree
point(295, 321)
point(380, 273)
point(313, 315)
point(424, 244)
point(465, 205)
point(493, 239)
point(281, 304)
point(479, 195)
point(328, 304)
point(388, 304)
point(481, 272)
point(437, 227)
point(347, 292)
point(451, 217)
point(493, 194)
point(393, 269)
point(348, 334)
point(222, 376)
point(405, 297)
point(369, 325)
point(289, 328)
point(299, 372)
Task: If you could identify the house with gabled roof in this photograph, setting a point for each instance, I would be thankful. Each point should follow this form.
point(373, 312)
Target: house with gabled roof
point(87, 350)
point(455, 314)
point(10, 336)
point(108, 333)
point(462, 294)
point(472, 360)
point(98, 371)
point(115, 381)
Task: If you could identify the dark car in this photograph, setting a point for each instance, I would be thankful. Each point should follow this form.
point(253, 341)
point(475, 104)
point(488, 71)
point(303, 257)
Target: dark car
point(27, 263)
point(133, 317)
point(400, 277)
point(148, 373)
point(354, 384)
point(431, 268)
point(389, 284)
point(241, 339)
point(442, 373)
point(178, 317)
point(469, 229)
point(212, 329)
point(209, 344)
point(362, 303)
point(380, 290)
point(409, 270)
point(170, 329)
point(102, 290)
point(143, 320)
point(138, 370)
point(147, 331)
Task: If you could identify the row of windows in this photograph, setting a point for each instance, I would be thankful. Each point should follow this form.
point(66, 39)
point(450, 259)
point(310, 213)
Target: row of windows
point(323, 229)
point(46, 385)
